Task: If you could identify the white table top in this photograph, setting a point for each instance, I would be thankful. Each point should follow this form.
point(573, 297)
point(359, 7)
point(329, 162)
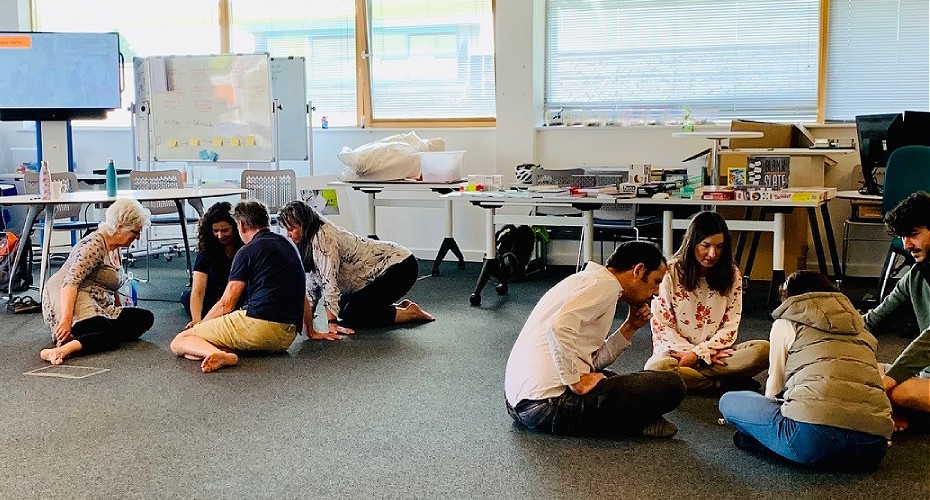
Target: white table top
point(81, 176)
point(856, 195)
point(788, 151)
point(136, 194)
point(507, 197)
point(720, 134)
point(398, 184)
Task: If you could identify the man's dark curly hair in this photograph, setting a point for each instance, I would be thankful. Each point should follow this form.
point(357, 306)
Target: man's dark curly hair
point(910, 214)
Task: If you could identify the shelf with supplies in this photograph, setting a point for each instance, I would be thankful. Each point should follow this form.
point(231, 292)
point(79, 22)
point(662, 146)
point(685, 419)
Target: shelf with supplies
point(788, 151)
point(806, 166)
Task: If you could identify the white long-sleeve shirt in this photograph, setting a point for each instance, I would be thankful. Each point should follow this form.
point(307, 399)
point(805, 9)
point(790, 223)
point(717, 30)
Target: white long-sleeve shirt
point(781, 337)
point(564, 336)
point(701, 320)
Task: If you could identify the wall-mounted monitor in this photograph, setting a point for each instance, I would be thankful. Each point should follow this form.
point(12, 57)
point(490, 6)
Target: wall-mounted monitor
point(58, 76)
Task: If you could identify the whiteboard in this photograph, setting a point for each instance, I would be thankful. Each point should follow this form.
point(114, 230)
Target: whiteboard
point(205, 108)
point(289, 89)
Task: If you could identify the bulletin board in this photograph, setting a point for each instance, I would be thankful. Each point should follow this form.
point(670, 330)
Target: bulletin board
point(205, 108)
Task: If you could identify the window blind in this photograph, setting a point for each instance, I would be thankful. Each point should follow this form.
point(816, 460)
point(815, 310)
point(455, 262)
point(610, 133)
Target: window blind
point(322, 32)
point(724, 59)
point(878, 58)
point(431, 59)
point(142, 32)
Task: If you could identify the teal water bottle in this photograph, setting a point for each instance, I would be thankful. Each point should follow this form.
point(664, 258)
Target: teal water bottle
point(111, 178)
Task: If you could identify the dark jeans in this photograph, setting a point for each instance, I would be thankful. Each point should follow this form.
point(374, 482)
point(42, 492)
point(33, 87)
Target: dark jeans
point(373, 305)
point(104, 334)
point(618, 405)
point(761, 421)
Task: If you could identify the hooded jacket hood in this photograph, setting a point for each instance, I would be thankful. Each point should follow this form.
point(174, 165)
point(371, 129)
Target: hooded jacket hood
point(827, 311)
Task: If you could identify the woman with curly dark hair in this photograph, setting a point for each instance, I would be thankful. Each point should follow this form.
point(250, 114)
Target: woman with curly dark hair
point(218, 242)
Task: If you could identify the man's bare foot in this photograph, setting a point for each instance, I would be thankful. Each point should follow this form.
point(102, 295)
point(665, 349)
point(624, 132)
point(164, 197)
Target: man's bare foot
point(54, 356)
point(217, 360)
point(900, 423)
point(192, 357)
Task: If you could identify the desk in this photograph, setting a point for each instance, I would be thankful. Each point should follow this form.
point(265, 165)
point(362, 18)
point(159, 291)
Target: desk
point(192, 196)
point(492, 201)
point(857, 200)
point(81, 177)
point(372, 189)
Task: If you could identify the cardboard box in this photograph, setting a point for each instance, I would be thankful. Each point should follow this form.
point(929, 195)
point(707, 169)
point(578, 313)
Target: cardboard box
point(776, 135)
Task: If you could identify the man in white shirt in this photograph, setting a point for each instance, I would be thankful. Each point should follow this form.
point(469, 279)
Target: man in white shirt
point(556, 379)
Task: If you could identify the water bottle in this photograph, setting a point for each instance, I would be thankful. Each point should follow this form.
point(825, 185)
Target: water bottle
point(324, 122)
point(133, 289)
point(111, 178)
point(45, 181)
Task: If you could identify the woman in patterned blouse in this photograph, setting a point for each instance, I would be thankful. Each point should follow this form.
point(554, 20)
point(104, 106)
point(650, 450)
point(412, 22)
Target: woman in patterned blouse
point(359, 279)
point(81, 301)
point(696, 315)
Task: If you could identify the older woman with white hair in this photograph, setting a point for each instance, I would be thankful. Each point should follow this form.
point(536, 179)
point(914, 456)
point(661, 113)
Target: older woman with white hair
point(81, 301)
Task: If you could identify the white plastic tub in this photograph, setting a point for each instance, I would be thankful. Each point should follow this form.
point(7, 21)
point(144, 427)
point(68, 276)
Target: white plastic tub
point(442, 166)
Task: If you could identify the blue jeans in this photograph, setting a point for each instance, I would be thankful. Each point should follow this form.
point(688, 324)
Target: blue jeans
point(808, 444)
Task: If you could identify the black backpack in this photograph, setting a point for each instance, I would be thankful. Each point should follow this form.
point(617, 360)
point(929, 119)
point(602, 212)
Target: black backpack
point(514, 248)
point(22, 275)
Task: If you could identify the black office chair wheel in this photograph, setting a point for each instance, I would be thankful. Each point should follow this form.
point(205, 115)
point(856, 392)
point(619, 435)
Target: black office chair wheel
point(475, 299)
point(461, 264)
point(501, 288)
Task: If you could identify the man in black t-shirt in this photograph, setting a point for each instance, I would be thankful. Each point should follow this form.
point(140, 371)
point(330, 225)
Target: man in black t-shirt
point(269, 268)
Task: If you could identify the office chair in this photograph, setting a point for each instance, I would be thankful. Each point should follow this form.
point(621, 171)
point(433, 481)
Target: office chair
point(67, 215)
point(164, 213)
point(907, 172)
point(274, 188)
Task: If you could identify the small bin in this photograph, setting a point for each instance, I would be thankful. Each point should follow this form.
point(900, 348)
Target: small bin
point(442, 166)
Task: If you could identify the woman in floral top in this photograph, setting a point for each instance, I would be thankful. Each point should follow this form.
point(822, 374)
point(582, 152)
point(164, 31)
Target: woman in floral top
point(359, 279)
point(81, 302)
point(696, 315)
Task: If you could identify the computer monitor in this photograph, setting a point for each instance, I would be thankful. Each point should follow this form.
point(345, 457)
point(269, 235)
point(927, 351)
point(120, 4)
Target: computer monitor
point(874, 147)
point(58, 76)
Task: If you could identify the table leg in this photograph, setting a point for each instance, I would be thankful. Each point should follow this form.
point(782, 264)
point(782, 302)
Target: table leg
point(778, 257)
point(831, 240)
point(448, 243)
point(587, 236)
point(818, 243)
point(187, 244)
point(372, 223)
point(667, 248)
point(490, 266)
point(31, 215)
point(46, 244)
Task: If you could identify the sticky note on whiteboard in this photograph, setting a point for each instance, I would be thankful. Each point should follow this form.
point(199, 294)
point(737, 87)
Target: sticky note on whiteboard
point(234, 140)
point(217, 141)
point(193, 141)
point(250, 140)
point(172, 143)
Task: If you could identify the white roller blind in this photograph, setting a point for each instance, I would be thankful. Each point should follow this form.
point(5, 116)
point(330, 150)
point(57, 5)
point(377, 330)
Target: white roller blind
point(431, 59)
point(723, 58)
point(322, 32)
point(879, 57)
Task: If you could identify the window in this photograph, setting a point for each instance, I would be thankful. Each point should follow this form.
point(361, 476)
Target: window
point(431, 59)
point(879, 57)
point(724, 59)
point(427, 61)
point(141, 35)
point(322, 32)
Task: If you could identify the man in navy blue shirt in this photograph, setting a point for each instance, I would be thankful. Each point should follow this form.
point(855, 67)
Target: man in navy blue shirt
point(269, 268)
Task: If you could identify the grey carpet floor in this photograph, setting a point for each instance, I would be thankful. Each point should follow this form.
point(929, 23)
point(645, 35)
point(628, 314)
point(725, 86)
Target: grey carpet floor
point(410, 412)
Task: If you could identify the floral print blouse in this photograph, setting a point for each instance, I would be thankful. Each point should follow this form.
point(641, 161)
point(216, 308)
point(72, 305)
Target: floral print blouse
point(346, 263)
point(701, 320)
point(97, 275)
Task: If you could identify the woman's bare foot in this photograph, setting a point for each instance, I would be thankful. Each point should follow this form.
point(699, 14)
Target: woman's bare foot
point(54, 356)
point(412, 312)
point(900, 423)
point(403, 304)
point(217, 360)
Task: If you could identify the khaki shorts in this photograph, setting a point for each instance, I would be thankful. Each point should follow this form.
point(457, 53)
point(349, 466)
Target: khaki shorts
point(242, 333)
